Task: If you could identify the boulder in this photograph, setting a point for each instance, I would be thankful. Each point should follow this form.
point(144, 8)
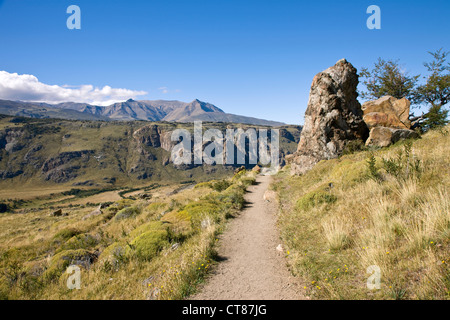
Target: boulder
point(384, 137)
point(94, 213)
point(57, 213)
point(270, 196)
point(387, 112)
point(237, 170)
point(256, 169)
point(388, 121)
point(333, 117)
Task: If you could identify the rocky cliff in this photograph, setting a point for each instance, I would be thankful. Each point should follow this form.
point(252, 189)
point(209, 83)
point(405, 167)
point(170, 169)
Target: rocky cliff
point(102, 153)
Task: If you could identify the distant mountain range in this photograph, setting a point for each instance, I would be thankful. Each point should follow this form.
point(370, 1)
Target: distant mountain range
point(147, 110)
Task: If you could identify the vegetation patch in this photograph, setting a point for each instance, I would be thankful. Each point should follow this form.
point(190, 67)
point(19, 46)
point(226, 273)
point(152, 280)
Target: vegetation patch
point(64, 259)
point(127, 212)
point(315, 198)
point(149, 244)
point(151, 250)
point(388, 208)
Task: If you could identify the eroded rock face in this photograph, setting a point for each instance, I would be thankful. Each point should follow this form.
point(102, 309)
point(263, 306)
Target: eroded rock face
point(65, 166)
point(333, 117)
point(384, 137)
point(388, 121)
point(387, 112)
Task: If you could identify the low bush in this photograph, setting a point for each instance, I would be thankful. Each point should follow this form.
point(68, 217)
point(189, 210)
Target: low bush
point(65, 234)
point(149, 244)
point(127, 213)
point(315, 198)
point(221, 185)
point(60, 262)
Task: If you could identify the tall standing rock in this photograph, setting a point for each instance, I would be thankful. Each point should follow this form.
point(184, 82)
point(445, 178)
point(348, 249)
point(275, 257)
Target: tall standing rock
point(333, 117)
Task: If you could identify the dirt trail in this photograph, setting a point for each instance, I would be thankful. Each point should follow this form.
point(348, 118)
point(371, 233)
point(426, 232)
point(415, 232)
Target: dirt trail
point(252, 268)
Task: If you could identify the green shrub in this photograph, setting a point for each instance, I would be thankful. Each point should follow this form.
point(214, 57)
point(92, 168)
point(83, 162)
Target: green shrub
point(199, 210)
point(155, 208)
point(115, 255)
point(248, 181)
point(372, 167)
point(123, 203)
point(150, 226)
point(405, 165)
point(232, 198)
point(180, 223)
point(315, 198)
point(149, 244)
point(127, 213)
point(203, 185)
point(65, 234)
point(239, 174)
point(221, 185)
point(80, 241)
point(64, 259)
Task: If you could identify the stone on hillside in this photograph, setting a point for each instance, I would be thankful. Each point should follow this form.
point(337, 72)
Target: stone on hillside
point(57, 213)
point(384, 137)
point(333, 117)
point(256, 169)
point(104, 205)
point(387, 112)
point(94, 213)
point(237, 170)
point(270, 196)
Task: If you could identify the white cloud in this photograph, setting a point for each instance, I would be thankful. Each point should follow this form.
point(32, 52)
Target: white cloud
point(164, 90)
point(26, 87)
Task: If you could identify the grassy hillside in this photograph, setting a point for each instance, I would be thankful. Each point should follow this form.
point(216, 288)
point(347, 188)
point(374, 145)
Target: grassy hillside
point(387, 207)
point(158, 247)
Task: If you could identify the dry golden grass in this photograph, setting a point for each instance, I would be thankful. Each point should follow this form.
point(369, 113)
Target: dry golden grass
point(30, 243)
point(399, 223)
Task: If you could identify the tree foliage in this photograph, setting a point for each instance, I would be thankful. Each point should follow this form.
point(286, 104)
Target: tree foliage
point(387, 78)
point(435, 92)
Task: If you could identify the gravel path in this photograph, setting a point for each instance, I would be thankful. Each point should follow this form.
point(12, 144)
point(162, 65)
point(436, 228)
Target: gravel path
point(252, 268)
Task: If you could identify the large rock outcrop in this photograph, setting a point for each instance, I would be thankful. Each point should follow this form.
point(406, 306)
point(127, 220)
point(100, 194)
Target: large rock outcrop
point(388, 121)
point(333, 117)
point(387, 112)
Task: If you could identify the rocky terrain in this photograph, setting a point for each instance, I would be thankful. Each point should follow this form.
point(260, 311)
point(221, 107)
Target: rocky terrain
point(388, 121)
point(335, 119)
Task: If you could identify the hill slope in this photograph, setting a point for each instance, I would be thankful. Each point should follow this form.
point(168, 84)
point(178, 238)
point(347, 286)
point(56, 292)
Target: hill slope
point(345, 215)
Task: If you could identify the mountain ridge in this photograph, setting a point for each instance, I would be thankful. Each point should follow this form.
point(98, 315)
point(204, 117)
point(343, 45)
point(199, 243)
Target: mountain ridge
point(146, 110)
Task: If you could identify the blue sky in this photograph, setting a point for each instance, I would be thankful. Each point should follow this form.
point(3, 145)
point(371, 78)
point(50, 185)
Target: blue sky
point(249, 57)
